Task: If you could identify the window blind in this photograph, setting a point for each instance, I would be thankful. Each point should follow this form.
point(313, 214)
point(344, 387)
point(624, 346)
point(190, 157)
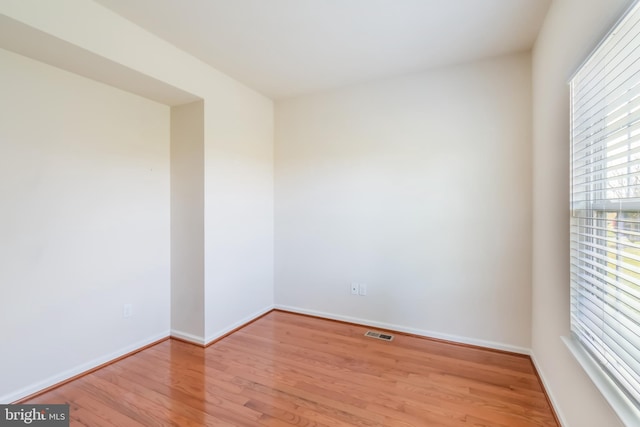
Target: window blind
point(605, 205)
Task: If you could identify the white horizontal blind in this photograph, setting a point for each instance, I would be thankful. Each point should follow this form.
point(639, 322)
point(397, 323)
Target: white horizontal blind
point(605, 198)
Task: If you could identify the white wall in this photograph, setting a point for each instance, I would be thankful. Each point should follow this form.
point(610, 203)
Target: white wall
point(84, 223)
point(418, 187)
point(571, 30)
point(238, 152)
point(239, 212)
point(187, 221)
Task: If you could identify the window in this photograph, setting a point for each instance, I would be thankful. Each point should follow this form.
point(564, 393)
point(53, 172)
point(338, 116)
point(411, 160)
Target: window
point(605, 206)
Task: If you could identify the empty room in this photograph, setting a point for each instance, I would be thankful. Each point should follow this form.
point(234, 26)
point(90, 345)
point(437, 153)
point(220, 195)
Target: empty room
point(320, 213)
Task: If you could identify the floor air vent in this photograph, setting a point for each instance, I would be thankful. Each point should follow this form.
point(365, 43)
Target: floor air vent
point(379, 335)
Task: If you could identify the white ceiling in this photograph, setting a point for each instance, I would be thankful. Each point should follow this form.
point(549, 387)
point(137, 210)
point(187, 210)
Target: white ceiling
point(285, 48)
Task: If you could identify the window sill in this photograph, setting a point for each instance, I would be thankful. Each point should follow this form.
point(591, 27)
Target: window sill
point(628, 413)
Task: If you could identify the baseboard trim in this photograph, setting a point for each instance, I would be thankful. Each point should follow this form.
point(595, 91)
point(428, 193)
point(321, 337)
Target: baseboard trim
point(87, 368)
point(73, 374)
point(188, 338)
point(222, 333)
point(461, 341)
point(214, 338)
point(409, 331)
point(557, 414)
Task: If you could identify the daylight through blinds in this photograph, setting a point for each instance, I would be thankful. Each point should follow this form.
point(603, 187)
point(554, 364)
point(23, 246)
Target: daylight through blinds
point(605, 205)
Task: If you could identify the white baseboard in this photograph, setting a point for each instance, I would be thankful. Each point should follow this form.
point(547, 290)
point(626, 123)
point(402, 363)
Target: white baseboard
point(194, 339)
point(222, 332)
point(548, 391)
point(408, 330)
point(70, 373)
point(34, 388)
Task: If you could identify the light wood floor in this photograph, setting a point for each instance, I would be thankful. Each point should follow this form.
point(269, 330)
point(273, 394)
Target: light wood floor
point(286, 369)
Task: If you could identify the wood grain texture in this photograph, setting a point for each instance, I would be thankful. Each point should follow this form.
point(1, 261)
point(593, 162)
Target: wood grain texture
point(286, 369)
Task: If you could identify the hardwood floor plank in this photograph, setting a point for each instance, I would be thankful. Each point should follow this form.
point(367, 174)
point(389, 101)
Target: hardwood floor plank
point(292, 370)
point(110, 414)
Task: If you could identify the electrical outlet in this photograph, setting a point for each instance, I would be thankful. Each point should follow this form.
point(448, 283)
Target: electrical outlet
point(354, 288)
point(127, 310)
point(363, 289)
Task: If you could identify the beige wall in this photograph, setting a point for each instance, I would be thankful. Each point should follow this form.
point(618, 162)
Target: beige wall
point(84, 223)
point(418, 187)
point(571, 30)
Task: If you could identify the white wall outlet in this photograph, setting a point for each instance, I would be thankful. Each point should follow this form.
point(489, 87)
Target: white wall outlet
point(127, 310)
point(362, 289)
point(354, 288)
